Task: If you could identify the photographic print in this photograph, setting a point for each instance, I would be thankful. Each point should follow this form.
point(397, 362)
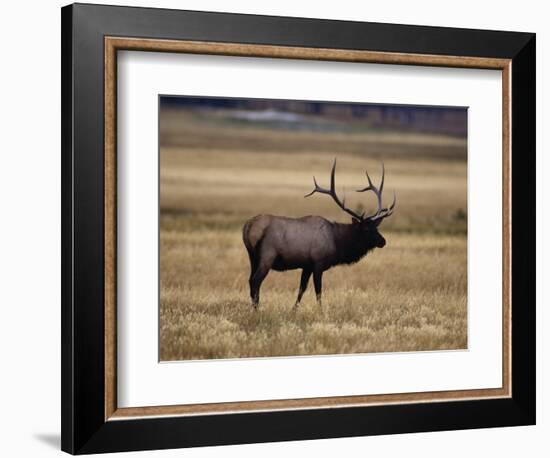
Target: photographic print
point(294, 228)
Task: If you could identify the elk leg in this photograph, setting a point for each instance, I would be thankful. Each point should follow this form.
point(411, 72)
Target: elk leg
point(257, 279)
point(303, 285)
point(253, 268)
point(318, 283)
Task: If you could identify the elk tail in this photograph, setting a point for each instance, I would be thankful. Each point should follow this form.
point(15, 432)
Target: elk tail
point(250, 243)
point(253, 232)
point(246, 237)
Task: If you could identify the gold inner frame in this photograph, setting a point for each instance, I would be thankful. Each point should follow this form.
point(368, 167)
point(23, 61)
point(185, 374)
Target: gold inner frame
point(114, 44)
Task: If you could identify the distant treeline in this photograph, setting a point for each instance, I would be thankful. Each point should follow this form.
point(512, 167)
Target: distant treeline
point(419, 118)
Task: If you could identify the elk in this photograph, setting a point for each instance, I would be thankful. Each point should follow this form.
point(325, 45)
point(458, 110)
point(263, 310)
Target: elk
point(312, 243)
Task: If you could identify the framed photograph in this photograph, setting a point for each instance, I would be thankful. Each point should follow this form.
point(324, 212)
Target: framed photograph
point(281, 228)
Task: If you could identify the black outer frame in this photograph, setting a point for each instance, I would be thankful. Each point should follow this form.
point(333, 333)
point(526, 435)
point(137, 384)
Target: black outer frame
point(84, 429)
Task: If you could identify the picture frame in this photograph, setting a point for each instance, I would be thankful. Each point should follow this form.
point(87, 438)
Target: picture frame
point(92, 35)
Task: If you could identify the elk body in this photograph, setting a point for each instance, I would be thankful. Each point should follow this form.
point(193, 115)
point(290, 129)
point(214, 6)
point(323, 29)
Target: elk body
point(312, 243)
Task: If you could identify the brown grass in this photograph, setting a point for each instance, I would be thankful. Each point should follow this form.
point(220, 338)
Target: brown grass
point(411, 295)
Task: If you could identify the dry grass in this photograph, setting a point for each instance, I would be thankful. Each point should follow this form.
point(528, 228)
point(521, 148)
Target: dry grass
point(411, 295)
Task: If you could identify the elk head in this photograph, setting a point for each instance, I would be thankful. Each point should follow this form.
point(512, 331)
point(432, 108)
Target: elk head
point(367, 224)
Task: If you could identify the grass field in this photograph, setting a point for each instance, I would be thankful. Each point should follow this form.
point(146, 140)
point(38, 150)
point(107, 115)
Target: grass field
point(216, 174)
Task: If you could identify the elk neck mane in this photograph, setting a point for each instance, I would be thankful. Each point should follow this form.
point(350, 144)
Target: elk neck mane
point(351, 243)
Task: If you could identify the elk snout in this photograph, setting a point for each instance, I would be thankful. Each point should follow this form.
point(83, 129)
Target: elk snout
point(380, 242)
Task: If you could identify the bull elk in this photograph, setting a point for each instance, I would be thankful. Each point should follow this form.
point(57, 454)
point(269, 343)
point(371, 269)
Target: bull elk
point(312, 243)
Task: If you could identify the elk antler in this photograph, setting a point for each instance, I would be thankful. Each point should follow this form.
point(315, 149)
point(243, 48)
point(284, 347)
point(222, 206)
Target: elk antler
point(381, 212)
point(332, 193)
